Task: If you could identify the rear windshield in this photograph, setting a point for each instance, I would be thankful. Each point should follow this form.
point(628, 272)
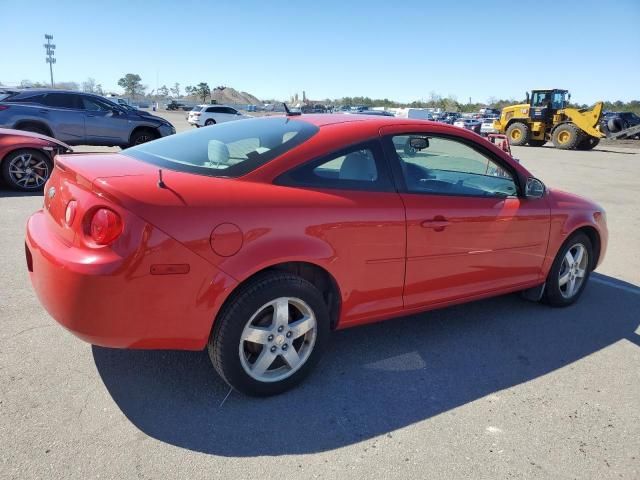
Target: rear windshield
point(196, 109)
point(228, 149)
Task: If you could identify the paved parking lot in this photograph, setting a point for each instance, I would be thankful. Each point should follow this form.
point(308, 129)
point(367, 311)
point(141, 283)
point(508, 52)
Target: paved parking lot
point(500, 388)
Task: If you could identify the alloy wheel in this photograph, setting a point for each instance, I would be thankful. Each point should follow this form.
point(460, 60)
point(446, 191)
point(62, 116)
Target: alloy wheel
point(573, 270)
point(28, 172)
point(278, 339)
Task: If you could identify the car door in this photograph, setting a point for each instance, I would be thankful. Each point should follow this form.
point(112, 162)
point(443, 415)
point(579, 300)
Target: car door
point(105, 124)
point(469, 233)
point(64, 114)
point(358, 214)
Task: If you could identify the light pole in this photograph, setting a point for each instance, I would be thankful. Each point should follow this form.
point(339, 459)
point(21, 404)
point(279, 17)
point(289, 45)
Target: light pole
point(50, 47)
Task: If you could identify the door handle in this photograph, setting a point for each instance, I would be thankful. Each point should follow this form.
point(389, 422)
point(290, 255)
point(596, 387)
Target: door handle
point(438, 223)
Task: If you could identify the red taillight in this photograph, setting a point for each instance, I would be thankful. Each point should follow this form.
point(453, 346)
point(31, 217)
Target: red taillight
point(3, 107)
point(106, 226)
point(70, 212)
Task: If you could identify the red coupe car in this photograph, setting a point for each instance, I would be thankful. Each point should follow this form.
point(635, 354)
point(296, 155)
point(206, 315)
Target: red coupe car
point(257, 238)
point(26, 158)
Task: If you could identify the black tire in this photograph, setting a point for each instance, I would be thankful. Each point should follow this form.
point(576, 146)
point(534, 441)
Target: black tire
point(142, 136)
point(518, 134)
point(616, 124)
point(209, 122)
point(226, 342)
point(588, 143)
point(536, 143)
point(553, 294)
point(567, 136)
point(34, 128)
point(26, 170)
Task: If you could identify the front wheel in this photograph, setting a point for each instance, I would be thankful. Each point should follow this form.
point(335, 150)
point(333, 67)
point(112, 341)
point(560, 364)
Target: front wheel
point(567, 136)
point(570, 271)
point(142, 136)
point(270, 334)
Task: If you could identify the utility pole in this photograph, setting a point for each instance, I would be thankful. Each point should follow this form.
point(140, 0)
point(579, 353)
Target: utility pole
point(50, 47)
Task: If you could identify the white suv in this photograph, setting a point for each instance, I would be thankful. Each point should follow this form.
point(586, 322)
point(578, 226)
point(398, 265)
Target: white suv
point(205, 115)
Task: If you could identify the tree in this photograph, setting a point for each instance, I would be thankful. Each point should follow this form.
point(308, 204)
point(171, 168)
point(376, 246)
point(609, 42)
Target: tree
point(89, 85)
point(201, 90)
point(132, 84)
point(175, 89)
point(163, 91)
point(99, 90)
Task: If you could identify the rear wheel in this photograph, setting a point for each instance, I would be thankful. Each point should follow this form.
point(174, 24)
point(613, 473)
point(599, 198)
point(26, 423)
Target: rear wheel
point(210, 121)
point(26, 170)
point(270, 335)
point(570, 271)
point(35, 128)
point(567, 136)
point(588, 143)
point(536, 143)
point(518, 134)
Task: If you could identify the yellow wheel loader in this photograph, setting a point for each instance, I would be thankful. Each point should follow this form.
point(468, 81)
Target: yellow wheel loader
point(546, 117)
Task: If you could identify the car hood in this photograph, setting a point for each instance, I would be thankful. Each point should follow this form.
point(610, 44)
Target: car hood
point(22, 133)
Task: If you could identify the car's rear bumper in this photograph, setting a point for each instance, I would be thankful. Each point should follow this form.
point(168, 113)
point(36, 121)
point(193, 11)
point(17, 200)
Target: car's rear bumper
point(120, 302)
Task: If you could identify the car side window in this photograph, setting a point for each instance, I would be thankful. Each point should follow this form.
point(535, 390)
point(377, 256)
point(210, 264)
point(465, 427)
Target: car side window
point(360, 167)
point(212, 110)
point(445, 166)
point(61, 100)
point(94, 105)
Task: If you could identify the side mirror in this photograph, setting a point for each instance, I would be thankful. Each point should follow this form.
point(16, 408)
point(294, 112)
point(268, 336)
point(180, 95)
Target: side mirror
point(534, 188)
point(419, 143)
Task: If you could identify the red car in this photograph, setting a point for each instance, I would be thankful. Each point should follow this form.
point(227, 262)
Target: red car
point(26, 158)
point(258, 238)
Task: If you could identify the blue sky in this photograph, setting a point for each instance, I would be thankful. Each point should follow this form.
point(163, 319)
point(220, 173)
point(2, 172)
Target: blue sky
point(401, 50)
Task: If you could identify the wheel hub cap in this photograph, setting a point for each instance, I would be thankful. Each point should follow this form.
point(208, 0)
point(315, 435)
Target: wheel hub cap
point(278, 339)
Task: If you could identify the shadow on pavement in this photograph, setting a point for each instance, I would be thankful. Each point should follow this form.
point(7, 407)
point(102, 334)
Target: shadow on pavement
point(374, 379)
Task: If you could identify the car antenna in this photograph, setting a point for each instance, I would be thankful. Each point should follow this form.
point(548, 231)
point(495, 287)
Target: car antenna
point(289, 112)
point(161, 183)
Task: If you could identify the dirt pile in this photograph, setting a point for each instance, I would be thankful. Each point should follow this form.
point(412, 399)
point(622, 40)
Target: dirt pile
point(226, 95)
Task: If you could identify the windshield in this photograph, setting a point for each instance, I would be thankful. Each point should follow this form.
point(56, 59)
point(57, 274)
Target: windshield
point(226, 150)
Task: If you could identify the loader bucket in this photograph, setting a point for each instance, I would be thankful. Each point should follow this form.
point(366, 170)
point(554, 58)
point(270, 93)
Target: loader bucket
point(586, 120)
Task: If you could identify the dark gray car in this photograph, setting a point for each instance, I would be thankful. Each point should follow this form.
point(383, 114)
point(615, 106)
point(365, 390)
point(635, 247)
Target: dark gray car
point(78, 118)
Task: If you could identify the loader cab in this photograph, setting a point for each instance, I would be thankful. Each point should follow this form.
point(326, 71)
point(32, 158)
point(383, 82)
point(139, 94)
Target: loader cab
point(546, 103)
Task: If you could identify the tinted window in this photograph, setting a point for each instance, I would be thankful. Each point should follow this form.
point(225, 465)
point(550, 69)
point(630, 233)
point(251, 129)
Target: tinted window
point(60, 100)
point(89, 103)
point(213, 110)
point(450, 167)
point(24, 98)
point(230, 111)
point(356, 168)
point(229, 150)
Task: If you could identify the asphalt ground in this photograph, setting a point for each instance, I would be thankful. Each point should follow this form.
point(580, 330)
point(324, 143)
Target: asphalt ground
point(500, 388)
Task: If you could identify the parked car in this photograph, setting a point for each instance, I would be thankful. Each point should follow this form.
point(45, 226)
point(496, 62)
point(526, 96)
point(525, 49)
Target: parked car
point(468, 124)
point(205, 115)
point(26, 158)
point(417, 113)
point(487, 126)
point(257, 238)
point(78, 118)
